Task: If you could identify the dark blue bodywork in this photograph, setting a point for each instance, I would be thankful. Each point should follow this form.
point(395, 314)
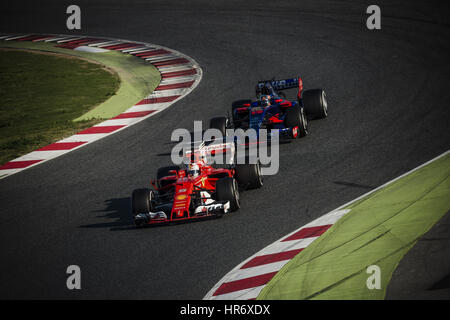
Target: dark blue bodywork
point(259, 115)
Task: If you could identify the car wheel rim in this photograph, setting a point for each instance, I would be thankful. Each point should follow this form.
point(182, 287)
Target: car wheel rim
point(259, 175)
point(324, 103)
point(148, 200)
point(236, 193)
point(304, 123)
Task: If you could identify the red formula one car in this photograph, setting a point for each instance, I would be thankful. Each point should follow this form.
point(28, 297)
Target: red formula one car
point(197, 191)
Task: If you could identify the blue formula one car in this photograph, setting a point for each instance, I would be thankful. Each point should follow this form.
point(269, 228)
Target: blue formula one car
point(272, 110)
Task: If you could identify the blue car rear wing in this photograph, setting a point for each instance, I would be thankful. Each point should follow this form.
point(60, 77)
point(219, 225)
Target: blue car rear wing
point(268, 86)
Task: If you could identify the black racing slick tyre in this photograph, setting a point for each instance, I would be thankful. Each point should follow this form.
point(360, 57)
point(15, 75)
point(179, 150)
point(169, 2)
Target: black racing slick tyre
point(220, 123)
point(315, 103)
point(238, 104)
point(295, 117)
point(227, 190)
point(141, 201)
point(249, 176)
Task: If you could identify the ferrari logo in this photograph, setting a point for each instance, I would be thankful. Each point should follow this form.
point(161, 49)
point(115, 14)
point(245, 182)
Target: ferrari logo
point(203, 181)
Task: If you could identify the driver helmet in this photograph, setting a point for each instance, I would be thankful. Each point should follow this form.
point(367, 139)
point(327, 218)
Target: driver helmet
point(265, 89)
point(194, 170)
point(265, 100)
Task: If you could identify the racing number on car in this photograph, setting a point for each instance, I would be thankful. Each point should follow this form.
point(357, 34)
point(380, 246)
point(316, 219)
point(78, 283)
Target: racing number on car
point(203, 181)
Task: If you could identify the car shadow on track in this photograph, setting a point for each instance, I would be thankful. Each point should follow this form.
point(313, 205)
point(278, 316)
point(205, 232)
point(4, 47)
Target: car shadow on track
point(117, 211)
point(355, 185)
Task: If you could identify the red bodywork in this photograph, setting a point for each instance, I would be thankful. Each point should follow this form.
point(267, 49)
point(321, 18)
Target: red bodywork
point(186, 187)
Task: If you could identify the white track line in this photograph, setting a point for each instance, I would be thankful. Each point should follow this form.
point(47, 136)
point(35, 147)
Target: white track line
point(64, 40)
point(149, 107)
point(162, 57)
point(118, 122)
point(245, 294)
point(135, 50)
point(40, 155)
point(279, 246)
point(178, 67)
point(54, 39)
point(84, 137)
point(175, 80)
point(17, 37)
point(256, 271)
point(167, 93)
point(105, 43)
point(286, 246)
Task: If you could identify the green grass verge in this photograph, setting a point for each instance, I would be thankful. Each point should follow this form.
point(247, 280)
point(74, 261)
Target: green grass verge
point(40, 95)
point(379, 230)
point(138, 78)
point(44, 98)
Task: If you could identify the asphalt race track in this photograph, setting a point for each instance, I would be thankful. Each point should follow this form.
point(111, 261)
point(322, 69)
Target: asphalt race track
point(388, 93)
